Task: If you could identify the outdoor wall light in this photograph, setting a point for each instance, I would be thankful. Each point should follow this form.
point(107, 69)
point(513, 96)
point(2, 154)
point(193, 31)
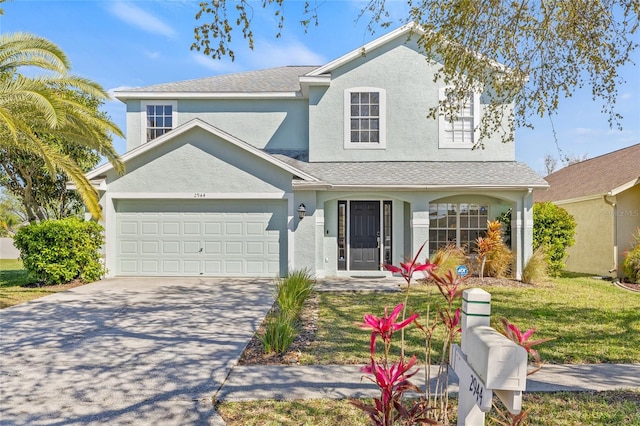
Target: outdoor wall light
point(302, 211)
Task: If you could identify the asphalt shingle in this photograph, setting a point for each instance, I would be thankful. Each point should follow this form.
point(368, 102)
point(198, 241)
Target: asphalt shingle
point(427, 173)
point(595, 176)
point(280, 79)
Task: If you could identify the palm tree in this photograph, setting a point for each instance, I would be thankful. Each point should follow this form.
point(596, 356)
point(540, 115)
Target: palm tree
point(48, 97)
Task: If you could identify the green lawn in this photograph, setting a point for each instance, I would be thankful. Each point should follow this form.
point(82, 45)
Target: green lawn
point(591, 320)
point(547, 409)
point(13, 279)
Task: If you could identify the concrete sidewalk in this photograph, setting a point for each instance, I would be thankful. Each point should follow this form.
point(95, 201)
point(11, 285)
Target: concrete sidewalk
point(282, 382)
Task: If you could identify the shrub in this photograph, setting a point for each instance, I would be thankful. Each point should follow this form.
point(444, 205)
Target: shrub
point(280, 331)
point(493, 254)
point(631, 263)
point(553, 230)
point(292, 291)
point(282, 327)
point(58, 251)
point(448, 258)
point(535, 271)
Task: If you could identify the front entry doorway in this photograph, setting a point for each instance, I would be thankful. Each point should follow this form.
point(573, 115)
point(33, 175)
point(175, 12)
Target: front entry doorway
point(364, 235)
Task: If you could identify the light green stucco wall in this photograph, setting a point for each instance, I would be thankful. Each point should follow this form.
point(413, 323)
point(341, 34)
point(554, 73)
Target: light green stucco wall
point(592, 252)
point(263, 123)
point(407, 78)
point(409, 232)
point(199, 162)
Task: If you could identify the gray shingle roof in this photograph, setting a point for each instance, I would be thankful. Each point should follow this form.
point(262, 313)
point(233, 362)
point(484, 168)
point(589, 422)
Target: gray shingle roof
point(595, 176)
point(427, 173)
point(280, 79)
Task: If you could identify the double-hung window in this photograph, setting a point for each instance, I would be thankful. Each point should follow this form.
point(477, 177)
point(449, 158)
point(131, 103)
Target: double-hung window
point(364, 109)
point(458, 119)
point(159, 118)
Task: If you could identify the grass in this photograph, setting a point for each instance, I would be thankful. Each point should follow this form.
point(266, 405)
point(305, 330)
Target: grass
point(16, 285)
point(546, 409)
point(591, 321)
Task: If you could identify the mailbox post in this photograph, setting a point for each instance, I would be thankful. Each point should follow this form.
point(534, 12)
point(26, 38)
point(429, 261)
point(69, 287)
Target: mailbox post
point(485, 363)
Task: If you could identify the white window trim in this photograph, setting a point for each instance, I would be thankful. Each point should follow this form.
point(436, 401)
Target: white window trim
point(143, 115)
point(442, 124)
point(382, 143)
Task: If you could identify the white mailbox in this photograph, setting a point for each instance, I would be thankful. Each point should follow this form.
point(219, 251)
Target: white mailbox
point(486, 363)
point(500, 363)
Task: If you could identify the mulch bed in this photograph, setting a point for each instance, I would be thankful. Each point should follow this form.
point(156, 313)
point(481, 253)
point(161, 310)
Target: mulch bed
point(254, 352)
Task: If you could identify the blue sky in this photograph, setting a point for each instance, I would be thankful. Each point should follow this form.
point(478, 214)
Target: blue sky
point(123, 44)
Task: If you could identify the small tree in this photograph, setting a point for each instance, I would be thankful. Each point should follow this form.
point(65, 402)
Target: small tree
point(58, 251)
point(553, 230)
point(632, 260)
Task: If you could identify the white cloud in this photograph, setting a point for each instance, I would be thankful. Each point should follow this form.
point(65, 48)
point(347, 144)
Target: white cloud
point(141, 19)
point(216, 65)
point(268, 54)
point(626, 95)
point(151, 55)
point(583, 131)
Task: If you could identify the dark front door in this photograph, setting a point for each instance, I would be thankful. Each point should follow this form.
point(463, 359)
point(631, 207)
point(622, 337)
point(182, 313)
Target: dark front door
point(365, 235)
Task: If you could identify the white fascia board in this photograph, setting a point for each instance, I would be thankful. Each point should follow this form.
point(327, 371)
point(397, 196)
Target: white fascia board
point(357, 53)
point(124, 95)
point(405, 29)
point(625, 186)
point(308, 81)
point(579, 199)
point(100, 184)
point(211, 129)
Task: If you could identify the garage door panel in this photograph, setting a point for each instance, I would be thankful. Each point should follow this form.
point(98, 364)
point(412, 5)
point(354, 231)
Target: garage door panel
point(213, 248)
point(128, 247)
point(255, 248)
point(171, 228)
point(229, 238)
point(171, 247)
point(128, 227)
point(233, 248)
point(233, 267)
point(171, 266)
point(150, 266)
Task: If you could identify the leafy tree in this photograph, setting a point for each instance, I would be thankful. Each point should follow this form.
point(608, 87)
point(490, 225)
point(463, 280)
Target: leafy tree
point(45, 196)
point(59, 114)
point(548, 48)
point(11, 214)
point(553, 231)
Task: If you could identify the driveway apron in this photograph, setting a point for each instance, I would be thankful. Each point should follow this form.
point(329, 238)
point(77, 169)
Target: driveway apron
point(126, 351)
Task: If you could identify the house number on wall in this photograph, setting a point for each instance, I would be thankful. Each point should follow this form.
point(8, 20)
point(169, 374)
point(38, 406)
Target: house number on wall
point(477, 389)
point(199, 195)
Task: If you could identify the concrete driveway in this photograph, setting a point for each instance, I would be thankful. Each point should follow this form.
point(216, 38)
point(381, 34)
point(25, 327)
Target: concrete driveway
point(126, 351)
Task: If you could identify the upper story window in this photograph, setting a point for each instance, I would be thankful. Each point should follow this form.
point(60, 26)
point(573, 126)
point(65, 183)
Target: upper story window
point(159, 118)
point(458, 120)
point(364, 119)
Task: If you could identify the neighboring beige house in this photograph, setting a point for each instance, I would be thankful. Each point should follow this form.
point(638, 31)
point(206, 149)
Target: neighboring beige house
point(603, 195)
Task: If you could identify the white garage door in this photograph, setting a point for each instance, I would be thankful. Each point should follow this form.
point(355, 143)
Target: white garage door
point(185, 237)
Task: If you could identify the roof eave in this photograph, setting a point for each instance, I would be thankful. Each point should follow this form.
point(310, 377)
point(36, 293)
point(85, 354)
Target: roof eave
point(130, 95)
point(412, 187)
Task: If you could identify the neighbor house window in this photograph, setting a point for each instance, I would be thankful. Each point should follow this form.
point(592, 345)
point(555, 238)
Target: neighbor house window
point(364, 118)
point(458, 119)
point(459, 224)
point(159, 118)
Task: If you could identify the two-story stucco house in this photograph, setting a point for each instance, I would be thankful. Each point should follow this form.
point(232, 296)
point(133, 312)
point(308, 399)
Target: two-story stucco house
point(220, 170)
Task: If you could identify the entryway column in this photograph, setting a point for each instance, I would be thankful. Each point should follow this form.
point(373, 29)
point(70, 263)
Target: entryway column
point(419, 231)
